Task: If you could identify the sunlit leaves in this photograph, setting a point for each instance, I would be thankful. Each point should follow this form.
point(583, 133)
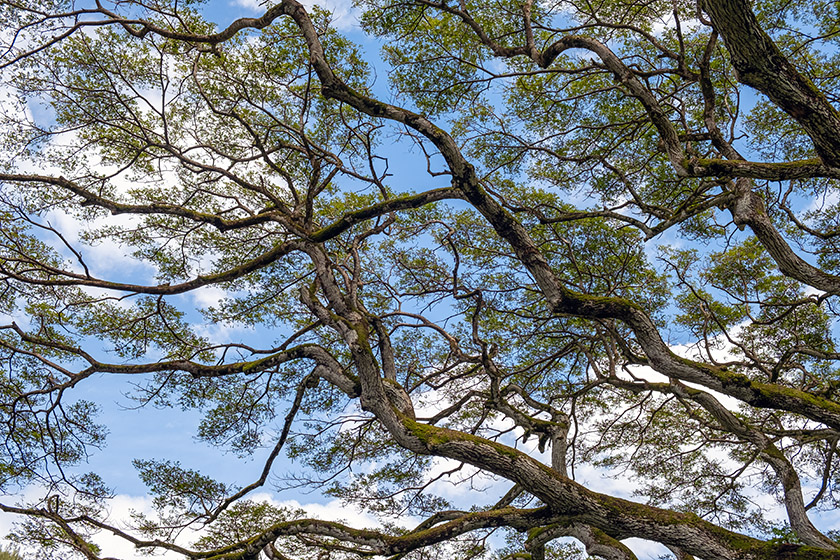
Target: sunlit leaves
point(243, 520)
point(285, 277)
point(179, 489)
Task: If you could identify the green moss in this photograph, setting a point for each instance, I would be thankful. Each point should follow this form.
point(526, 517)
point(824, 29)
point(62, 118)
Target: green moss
point(732, 378)
point(453, 527)
point(434, 436)
point(725, 167)
point(754, 548)
point(786, 551)
point(537, 531)
point(603, 301)
point(773, 451)
point(620, 506)
point(603, 538)
point(736, 541)
point(256, 364)
point(772, 390)
point(768, 393)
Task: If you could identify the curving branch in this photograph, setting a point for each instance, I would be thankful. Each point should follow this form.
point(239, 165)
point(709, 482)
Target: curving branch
point(558, 297)
point(332, 294)
point(617, 517)
point(52, 276)
point(748, 209)
point(369, 543)
point(554, 432)
point(327, 367)
point(767, 450)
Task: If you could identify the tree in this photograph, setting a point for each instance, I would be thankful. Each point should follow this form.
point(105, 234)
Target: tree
point(11, 554)
point(604, 181)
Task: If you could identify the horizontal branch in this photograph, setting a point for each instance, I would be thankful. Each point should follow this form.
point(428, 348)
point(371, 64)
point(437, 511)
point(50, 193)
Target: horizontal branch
point(783, 171)
point(379, 543)
point(328, 367)
point(175, 210)
point(53, 276)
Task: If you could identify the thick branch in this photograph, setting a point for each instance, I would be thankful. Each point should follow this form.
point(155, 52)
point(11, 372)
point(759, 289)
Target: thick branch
point(761, 64)
point(786, 171)
point(378, 543)
point(617, 517)
point(748, 209)
point(560, 299)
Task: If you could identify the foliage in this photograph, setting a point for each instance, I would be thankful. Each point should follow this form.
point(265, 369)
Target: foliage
point(566, 242)
point(11, 553)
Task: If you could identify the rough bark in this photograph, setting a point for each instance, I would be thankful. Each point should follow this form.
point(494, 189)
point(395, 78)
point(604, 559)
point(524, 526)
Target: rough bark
point(596, 519)
point(749, 210)
point(761, 64)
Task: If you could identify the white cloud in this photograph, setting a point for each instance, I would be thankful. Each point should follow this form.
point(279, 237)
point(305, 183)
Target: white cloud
point(333, 510)
point(223, 333)
point(465, 485)
point(120, 515)
point(646, 549)
point(121, 507)
point(208, 296)
point(829, 199)
point(104, 257)
point(690, 25)
point(345, 14)
point(252, 5)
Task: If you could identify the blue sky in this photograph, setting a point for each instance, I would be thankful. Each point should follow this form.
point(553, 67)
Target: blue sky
point(154, 433)
point(150, 432)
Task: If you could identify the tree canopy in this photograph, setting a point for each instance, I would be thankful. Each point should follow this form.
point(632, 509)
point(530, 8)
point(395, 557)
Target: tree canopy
point(559, 236)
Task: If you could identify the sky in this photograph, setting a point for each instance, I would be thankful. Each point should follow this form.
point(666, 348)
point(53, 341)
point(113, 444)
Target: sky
point(154, 433)
point(148, 433)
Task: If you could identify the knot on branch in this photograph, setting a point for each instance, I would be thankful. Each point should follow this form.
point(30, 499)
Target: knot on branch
point(399, 398)
point(746, 209)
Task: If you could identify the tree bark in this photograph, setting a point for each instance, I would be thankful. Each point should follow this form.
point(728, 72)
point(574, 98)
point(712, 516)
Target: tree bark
point(760, 64)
